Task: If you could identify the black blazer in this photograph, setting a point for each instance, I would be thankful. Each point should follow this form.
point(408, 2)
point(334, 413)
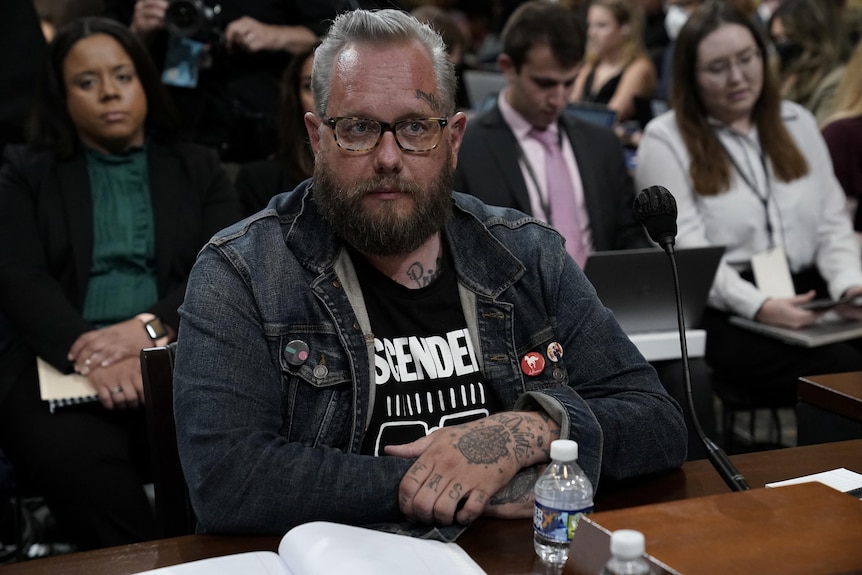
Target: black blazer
point(257, 182)
point(489, 168)
point(46, 230)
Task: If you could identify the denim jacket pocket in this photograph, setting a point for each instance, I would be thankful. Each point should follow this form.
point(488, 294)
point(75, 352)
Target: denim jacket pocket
point(318, 389)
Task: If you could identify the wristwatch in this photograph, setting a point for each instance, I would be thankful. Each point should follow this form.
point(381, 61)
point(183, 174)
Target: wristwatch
point(154, 327)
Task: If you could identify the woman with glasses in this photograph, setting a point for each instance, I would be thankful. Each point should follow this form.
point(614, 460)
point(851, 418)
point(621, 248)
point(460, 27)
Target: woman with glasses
point(752, 173)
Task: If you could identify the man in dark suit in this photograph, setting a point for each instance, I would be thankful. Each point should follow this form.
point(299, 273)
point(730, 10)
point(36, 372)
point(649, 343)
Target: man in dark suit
point(502, 163)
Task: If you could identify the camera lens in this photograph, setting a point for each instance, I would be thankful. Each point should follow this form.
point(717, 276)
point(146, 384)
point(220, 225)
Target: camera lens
point(184, 18)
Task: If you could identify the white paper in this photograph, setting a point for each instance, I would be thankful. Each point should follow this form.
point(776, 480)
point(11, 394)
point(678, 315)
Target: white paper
point(253, 563)
point(841, 479)
point(772, 274)
point(323, 548)
point(56, 385)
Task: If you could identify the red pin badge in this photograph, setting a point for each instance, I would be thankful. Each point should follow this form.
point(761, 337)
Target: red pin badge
point(532, 364)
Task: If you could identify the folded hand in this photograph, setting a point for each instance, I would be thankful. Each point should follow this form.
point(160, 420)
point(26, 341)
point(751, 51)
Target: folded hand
point(103, 347)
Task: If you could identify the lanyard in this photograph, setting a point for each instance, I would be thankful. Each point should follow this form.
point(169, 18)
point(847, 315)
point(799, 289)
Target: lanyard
point(751, 181)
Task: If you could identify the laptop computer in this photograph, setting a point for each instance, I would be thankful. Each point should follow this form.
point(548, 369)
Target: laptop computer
point(593, 113)
point(482, 87)
point(637, 285)
point(830, 328)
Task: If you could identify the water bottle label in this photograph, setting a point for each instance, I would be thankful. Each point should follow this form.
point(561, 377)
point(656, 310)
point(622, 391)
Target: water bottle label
point(557, 524)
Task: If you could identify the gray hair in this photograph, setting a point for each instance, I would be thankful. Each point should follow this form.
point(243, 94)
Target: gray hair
point(379, 27)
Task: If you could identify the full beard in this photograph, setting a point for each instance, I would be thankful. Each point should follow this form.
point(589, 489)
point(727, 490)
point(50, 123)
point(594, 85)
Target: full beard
point(385, 231)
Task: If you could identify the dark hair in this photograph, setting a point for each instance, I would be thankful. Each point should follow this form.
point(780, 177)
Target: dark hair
point(294, 149)
point(50, 124)
point(710, 169)
point(540, 22)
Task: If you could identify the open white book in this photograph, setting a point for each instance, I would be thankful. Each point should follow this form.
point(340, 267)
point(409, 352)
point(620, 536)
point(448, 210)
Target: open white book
point(320, 547)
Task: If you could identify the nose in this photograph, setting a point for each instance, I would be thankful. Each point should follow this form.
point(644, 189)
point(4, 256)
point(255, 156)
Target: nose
point(558, 95)
point(109, 89)
point(387, 155)
point(734, 72)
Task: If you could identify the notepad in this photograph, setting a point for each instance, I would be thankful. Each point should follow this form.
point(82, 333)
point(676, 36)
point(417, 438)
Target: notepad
point(324, 548)
point(61, 389)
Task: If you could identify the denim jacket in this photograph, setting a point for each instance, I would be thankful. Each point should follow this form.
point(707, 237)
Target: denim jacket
point(269, 440)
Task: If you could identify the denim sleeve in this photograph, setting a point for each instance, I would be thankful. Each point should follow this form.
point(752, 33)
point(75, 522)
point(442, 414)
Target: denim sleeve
point(244, 476)
point(614, 405)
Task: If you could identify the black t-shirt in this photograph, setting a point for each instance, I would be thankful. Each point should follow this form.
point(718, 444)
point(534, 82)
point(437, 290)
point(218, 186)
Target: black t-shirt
point(426, 372)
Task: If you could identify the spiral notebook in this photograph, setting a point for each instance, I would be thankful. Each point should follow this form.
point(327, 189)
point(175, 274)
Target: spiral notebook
point(62, 389)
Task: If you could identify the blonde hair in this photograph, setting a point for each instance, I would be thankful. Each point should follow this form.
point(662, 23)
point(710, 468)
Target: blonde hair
point(848, 94)
point(626, 13)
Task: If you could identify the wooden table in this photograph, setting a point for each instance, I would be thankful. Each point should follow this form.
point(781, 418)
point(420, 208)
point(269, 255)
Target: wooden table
point(829, 407)
point(498, 546)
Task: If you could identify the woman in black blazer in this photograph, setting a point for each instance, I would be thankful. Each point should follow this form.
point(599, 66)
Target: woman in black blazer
point(100, 221)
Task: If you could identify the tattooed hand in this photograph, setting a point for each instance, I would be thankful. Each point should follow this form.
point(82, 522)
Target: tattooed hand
point(516, 500)
point(459, 468)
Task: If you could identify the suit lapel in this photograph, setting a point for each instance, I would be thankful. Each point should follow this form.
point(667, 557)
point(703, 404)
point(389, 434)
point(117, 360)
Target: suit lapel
point(586, 158)
point(504, 150)
point(74, 185)
point(166, 177)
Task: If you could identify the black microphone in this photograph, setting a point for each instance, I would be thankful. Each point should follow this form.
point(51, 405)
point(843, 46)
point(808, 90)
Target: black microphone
point(655, 207)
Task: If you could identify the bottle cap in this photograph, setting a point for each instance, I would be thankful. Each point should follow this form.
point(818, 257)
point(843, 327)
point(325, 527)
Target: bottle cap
point(627, 544)
point(564, 450)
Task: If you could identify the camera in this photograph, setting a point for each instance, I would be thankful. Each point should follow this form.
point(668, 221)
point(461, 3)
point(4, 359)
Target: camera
point(192, 19)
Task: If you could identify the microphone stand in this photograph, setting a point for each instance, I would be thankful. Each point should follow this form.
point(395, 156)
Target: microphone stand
point(732, 477)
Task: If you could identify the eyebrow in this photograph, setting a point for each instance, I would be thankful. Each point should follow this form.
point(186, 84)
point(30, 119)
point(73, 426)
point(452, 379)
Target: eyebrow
point(752, 49)
point(552, 81)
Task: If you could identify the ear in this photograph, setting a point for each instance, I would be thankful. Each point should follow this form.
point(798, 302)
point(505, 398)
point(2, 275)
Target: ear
point(626, 29)
point(312, 126)
point(506, 65)
point(457, 125)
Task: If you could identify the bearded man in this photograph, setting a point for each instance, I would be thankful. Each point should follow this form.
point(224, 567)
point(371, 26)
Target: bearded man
point(376, 349)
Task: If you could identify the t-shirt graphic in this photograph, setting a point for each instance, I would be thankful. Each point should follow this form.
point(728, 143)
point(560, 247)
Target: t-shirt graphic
point(425, 368)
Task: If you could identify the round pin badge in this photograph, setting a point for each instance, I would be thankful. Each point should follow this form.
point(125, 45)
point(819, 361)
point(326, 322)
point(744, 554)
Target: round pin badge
point(296, 352)
point(532, 364)
point(555, 351)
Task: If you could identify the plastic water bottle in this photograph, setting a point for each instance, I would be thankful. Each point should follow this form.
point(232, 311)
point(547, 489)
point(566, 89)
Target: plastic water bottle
point(563, 494)
point(627, 554)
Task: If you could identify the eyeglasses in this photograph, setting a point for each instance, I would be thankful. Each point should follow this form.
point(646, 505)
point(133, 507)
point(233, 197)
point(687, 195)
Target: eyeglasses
point(362, 134)
point(745, 61)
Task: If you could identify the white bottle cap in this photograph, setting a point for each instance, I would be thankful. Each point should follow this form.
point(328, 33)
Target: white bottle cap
point(564, 450)
point(627, 544)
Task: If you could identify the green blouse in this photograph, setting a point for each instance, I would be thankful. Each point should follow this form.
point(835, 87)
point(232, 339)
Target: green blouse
point(122, 271)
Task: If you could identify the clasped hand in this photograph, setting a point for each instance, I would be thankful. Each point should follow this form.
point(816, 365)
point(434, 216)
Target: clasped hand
point(459, 469)
point(110, 358)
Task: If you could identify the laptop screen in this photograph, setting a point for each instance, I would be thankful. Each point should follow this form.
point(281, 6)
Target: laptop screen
point(637, 285)
point(593, 113)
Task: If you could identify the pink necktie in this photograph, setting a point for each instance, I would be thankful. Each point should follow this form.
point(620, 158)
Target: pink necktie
point(564, 214)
